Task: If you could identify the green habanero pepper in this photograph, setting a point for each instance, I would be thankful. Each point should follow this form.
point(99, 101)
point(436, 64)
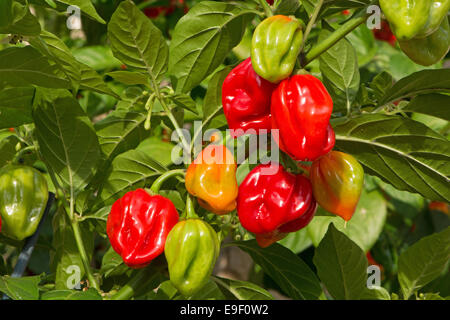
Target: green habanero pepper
point(276, 44)
point(414, 18)
point(431, 49)
point(438, 12)
point(191, 250)
point(23, 198)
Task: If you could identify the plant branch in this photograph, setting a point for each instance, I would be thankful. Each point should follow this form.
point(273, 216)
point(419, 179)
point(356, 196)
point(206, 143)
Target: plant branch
point(266, 7)
point(167, 175)
point(311, 23)
point(329, 42)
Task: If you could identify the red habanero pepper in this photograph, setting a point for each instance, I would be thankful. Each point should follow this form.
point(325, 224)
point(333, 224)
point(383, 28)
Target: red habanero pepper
point(138, 225)
point(301, 110)
point(273, 202)
point(385, 33)
point(246, 99)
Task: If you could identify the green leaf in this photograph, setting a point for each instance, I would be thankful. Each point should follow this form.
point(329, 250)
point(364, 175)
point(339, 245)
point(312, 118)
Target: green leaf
point(92, 81)
point(8, 149)
point(365, 226)
point(66, 261)
point(87, 7)
point(51, 46)
point(243, 290)
point(380, 84)
point(287, 7)
point(203, 38)
point(297, 241)
point(184, 101)
point(375, 293)
point(25, 288)
point(341, 265)
point(212, 104)
point(137, 42)
point(97, 57)
point(339, 68)
point(421, 82)
point(67, 140)
point(423, 262)
point(25, 66)
point(432, 104)
point(293, 276)
point(155, 148)
point(90, 294)
point(129, 77)
point(121, 131)
point(400, 151)
point(363, 41)
point(112, 264)
point(130, 170)
point(15, 106)
point(17, 19)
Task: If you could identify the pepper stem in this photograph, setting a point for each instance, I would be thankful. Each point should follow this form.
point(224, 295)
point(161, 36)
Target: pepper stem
point(189, 212)
point(165, 176)
point(266, 7)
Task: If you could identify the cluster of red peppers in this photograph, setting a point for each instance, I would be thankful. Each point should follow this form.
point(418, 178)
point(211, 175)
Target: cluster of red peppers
point(260, 94)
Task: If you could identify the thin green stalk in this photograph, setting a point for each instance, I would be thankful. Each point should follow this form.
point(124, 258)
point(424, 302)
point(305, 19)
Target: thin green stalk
point(139, 280)
point(266, 7)
point(84, 258)
point(156, 186)
point(190, 210)
point(337, 35)
point(311, 23)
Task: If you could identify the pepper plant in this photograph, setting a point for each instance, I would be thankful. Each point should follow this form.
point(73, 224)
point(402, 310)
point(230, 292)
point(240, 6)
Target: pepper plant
point(128, 161)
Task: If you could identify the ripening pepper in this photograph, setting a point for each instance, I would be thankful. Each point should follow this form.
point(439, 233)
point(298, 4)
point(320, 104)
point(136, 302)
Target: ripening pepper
point(191, 250)
point(273, 202)
point(301, 110)
point(414, 18)
point(246, 99)
point(138, 225)
point(212, 179)
point(431, 49)
point(276, 43)
point(337, 180)
point(23, 198)
point(385, 33)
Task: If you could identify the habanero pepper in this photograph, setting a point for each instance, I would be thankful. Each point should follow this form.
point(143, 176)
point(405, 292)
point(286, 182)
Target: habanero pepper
point(138, 225)
point(431, 49)
point(337, 180)
point(23, 198)
point(191, 250)
point(412, 18)
point(385, 33)
point(246, 99)
point(301, 110)
point(276, 43)
point(273, 202)
point(212, 179)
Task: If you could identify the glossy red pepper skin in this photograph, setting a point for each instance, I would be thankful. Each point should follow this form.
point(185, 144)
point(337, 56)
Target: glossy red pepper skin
point(385, 33)
point(246, 99)
point(138, 225)
point(272, 205)
point(301, 110)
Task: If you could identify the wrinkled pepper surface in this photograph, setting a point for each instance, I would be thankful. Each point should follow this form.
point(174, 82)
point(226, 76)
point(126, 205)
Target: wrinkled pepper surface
point(414, 18)
point(276, 44)
point(23, 198)
point(301, 110)
point(246, 99)
point(212, 179)
point(431, 49)
point(191, 250)
point(138, 225)
point(273, 202)
point(337, 180)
